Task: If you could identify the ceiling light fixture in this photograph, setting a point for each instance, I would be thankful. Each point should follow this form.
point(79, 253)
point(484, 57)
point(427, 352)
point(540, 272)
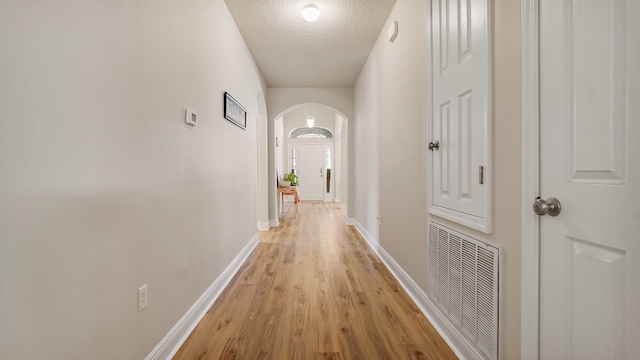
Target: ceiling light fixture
point(310, 13)
point(310, 121)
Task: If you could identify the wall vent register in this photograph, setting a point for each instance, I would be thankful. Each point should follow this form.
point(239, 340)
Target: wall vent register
point(463, 284)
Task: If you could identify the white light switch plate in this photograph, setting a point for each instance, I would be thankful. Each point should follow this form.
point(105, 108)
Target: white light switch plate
point(190, 117)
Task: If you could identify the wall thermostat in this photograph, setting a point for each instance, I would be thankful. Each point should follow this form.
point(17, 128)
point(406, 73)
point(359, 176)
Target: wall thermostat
point(191, 118)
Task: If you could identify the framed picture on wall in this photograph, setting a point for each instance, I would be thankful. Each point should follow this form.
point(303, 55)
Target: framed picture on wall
point(234, 112)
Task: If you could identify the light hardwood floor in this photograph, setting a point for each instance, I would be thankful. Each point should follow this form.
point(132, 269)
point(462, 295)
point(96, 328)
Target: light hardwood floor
point(312, 289)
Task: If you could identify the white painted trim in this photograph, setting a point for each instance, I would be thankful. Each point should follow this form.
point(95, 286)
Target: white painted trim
point(470, 221)
point(487, 227)
point(171, 343)
point(263, 225)
point(339, 203)
point(456, 342)
point(530, 236)
point(366, 235)
point(274, 222)
point(429, 119)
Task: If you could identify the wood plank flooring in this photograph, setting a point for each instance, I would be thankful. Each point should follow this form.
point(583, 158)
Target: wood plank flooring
point(312, 289)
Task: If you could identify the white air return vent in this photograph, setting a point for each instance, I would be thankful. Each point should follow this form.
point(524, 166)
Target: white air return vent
point(463, 281)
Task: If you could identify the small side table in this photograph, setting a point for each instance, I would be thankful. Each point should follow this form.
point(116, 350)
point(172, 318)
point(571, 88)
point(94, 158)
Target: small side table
point(296, 199)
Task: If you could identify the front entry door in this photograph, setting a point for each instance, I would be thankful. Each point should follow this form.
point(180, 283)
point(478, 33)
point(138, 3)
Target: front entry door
point(590, 162)
point(310, 167)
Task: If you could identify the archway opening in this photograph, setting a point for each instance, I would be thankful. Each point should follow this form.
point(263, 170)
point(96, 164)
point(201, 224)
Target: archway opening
point(291, 131)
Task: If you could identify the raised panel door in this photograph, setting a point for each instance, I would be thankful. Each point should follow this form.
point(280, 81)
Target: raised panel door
point(590, 252)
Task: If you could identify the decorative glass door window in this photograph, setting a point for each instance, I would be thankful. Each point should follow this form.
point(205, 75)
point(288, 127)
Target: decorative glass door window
point(327, 166)
point(293, 161)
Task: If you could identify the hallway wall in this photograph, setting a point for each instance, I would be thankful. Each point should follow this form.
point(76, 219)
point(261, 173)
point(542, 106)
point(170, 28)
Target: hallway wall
point(391, 150)
point(103, 186)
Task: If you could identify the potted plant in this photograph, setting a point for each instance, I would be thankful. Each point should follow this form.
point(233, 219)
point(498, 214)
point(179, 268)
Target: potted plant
point(291, 178)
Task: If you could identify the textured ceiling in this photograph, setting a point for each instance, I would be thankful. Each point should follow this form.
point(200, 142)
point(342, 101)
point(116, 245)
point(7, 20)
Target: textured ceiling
point(292, 52)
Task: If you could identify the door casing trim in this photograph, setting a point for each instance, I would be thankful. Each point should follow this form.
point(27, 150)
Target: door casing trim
point(530, 236)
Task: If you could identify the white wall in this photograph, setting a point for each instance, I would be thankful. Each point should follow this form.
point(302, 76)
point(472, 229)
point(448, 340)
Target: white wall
point(104, 187)
point(296, 118)
point(390, 150)
point(391, 92)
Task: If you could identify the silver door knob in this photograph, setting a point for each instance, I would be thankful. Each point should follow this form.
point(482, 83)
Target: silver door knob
point(434, 145)
point(550, 207)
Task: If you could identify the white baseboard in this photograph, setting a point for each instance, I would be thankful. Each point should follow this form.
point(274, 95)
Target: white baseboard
point(456, 342)
point(171, 343)
point(274, 223)
point(343, 205)
point(373, 242)
point(337, 200)
point(263, 225)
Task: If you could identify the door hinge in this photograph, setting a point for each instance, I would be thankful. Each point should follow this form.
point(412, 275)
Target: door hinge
point(481, 175)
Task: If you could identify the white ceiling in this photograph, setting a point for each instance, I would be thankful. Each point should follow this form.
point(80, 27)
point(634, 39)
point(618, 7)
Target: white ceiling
point(292, 52)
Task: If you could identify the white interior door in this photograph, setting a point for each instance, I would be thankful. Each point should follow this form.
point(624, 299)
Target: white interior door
point(589, 157)
point(459, 120)
point(310, 167)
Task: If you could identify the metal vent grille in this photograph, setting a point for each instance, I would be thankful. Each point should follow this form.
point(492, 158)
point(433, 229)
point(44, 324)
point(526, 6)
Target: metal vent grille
point(463, 281)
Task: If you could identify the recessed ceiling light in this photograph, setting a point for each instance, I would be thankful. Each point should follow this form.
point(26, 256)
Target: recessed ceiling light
point(310, 13)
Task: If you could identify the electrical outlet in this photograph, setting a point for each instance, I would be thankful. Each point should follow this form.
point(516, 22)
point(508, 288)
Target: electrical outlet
point(143, 297)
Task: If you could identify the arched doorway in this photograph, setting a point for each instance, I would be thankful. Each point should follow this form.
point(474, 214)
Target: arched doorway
point(329, 131)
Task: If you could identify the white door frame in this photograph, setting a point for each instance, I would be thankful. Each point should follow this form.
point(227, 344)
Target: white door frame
point(530, 237)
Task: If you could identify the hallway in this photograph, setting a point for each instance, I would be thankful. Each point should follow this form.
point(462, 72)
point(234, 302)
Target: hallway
point(313, 289)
